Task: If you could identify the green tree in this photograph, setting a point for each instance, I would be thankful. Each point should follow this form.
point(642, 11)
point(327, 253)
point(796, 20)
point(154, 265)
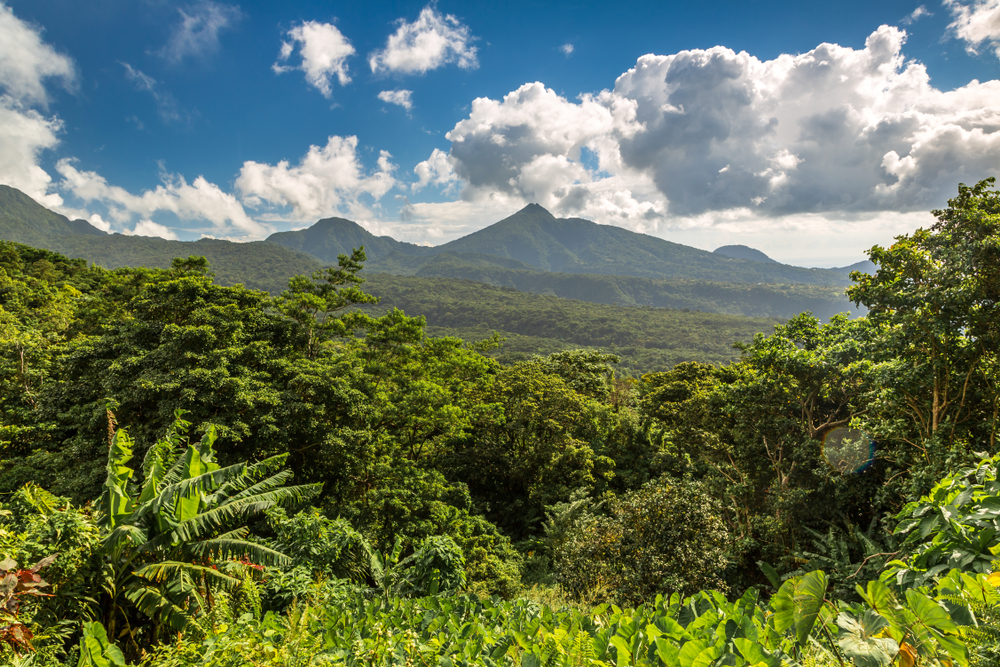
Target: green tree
point(170, 542)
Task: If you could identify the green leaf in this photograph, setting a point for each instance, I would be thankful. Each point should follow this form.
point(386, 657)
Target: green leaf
point(857, 641)
point(770, 573)
point(797, 603)
point(755, 654)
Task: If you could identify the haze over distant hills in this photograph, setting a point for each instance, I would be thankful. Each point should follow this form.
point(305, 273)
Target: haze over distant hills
point(538, 240)
point(531, 251)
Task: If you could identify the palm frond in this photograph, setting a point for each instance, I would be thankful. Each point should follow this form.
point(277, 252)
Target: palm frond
point(167, 570)
point(204, 483)
point(123, 536)
point(281, 496)
point(250, 489)
point(253, 473)
point(229, 548)
point(156, 606)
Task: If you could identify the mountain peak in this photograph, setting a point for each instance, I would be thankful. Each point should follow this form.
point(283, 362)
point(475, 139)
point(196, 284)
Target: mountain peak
point(535, 209)
point(743, 252)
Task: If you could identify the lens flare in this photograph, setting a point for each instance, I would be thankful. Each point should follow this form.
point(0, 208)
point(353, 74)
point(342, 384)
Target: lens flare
point(848, 450)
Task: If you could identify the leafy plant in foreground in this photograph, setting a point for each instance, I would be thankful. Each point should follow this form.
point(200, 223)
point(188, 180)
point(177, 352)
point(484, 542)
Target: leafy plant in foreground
point(163, 542)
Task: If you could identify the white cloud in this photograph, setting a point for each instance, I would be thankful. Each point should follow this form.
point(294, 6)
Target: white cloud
point(26, 61)
point(24, 134)
point(685, 138)
point(435, 170)
point(198, 200)
point(197, 34)
point(150, 228)
point(976, 22)
point(324, 51)
point(916, 15)
point(328, 181)
point(432, 41)
point(166, 104)
point(100, 223)
point(567, 49)
point(26, 64)
point(402, 98)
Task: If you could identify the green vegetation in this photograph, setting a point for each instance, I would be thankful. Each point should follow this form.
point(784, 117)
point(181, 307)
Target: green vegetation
point(647, 339)
point(830, 497)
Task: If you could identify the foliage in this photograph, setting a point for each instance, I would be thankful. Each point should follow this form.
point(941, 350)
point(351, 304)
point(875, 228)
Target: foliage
point(163, 541)
point(647, 339)
point(955, 526)
point(662, 539)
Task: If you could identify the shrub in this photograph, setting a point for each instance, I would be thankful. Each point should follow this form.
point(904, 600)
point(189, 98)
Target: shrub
point(661, 539)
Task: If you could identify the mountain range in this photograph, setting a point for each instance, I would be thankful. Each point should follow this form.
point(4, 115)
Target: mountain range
point(531, 251)
point(534, 239)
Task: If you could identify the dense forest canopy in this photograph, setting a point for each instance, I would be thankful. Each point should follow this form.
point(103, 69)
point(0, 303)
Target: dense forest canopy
point(206, 474)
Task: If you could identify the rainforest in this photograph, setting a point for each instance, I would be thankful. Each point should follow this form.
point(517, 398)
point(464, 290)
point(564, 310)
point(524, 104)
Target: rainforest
point(194, 473)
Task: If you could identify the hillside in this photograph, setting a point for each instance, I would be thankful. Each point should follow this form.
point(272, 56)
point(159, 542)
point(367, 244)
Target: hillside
point(647, 339)
point(753, 300)
point(331, 237)
point(269, 265)
point(258, 265)
point(32, 224)
point(743, 252)
point(540, 241)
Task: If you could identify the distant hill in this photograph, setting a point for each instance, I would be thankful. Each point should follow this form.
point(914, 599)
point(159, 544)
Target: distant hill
point(331, 237)
point(750, 299)
point(540, 241)
point(647, 339)
point(743, 252)
point(23, 217)
point(258, 265)
point(864, 266)
point(268, 265)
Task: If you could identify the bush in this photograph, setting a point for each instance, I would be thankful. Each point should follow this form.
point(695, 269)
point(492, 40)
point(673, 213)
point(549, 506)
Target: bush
point(661, 539)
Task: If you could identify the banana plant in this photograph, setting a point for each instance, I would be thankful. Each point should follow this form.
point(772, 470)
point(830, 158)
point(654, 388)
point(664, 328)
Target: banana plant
point(165, 537)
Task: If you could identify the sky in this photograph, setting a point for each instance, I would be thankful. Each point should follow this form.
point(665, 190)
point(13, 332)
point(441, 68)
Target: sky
point(810, 131)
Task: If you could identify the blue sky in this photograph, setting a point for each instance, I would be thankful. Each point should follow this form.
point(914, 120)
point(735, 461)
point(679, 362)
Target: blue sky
point(810, 131)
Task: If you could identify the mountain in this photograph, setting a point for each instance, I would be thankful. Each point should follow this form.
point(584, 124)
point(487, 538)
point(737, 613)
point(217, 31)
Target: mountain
point(331, 237)
point(22, 216)
point(258, 265)
point(268, 265)
point(864, 266)
point(540, 241)
point(743, 252)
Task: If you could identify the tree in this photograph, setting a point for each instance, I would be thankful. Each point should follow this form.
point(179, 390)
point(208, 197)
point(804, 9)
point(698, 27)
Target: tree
point(935, 300)
point(166, 542)
point(313, 302)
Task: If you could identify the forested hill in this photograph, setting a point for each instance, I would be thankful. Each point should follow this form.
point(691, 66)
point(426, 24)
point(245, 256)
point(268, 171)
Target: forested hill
point(331, 237)
point(268, 266)
point(32, 224)
point(258, 265)
point(536, 238)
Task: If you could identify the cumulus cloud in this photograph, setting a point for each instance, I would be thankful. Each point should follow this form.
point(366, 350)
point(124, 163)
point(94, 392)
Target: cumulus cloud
point(26, 62)
point(198, 200)
point(150, 228)
point(402, 98)
point(327, 181)
point(166, 104)
point(324, 52)
point(432, 41)
point(435, 170)
point(976, 22)
point(197, 34)
point(567, 49)
point(24, 134)
point(835, 131)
